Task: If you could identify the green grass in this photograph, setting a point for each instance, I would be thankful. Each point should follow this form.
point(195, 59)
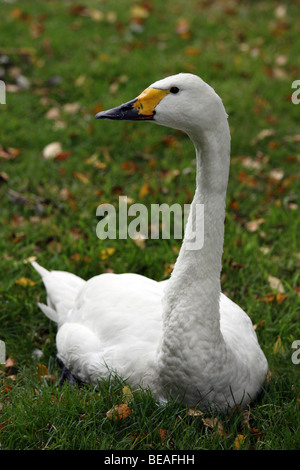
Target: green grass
point(249, 53)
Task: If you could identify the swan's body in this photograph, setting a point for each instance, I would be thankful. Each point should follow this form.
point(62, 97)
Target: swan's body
point(181, 336)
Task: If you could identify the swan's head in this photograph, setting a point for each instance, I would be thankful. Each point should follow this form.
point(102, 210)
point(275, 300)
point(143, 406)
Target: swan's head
point(182, 101)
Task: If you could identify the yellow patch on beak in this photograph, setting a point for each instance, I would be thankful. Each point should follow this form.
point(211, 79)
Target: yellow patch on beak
point(147, 101)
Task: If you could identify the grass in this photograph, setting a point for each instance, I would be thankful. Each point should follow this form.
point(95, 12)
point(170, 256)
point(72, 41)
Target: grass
point(248, 51)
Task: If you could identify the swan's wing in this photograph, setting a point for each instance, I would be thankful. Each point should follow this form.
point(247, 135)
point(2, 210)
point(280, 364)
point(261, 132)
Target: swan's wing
point(115, 324)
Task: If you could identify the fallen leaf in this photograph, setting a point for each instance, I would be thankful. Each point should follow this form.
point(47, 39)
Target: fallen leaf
point(119, 412)
point(263, 134)
point(3, 424)
point(163, 434)
point(253, 225)
point(271, 297)
point(168, 269)
point(44, 373)
point(52, 150)
point(192, 51)
point(81, 177)
point(278, 347)
point(127, 395)
point(145, 189)
point(239, 441)
point(139, 12)
point(71, 108)
point(42, 370)
point(194, 412)
point(214, 423)
point(24, 282)
point(63, 155)
point(276, 175)
point(183, 28)
point(53, 113)
point(4, 178)
point(139, 240)
point(276, 284)
point(9, 153)
point(107, 252)
point(10, 362)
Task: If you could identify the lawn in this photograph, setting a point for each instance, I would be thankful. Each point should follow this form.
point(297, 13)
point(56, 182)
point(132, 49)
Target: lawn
point(62, 62)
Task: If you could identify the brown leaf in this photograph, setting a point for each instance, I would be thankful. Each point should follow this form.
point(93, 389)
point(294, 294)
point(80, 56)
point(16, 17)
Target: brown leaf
point(271, 297)
point(63, 155)
point(9, 153)
point(239, 441)
point(214, 423)
point(42, 370)
point(163, 434)
point(24, 282)
point(81, 177)
point(127, 396)
point(10, 362)
point(4, 178)
point(194, 412)
point(119, 412)
point(278, 347)
point(145, 189)
point(3, 424)
point(253, 225)
point(183, 28)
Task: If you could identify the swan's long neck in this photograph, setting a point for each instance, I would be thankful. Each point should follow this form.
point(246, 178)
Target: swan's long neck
point(192, 298)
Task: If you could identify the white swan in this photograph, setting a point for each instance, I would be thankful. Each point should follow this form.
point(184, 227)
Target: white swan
point(181, 336)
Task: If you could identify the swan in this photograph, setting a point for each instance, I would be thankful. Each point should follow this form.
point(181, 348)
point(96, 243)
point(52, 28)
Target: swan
point(182, 336)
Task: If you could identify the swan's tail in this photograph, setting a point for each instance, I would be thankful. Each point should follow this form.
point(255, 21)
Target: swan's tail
point(62, 289)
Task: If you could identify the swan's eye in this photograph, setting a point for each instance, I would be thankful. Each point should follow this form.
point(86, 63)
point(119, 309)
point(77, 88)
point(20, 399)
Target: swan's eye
point(174, 90)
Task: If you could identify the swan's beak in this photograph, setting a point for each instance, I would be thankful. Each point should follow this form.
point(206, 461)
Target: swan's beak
point(140, 109)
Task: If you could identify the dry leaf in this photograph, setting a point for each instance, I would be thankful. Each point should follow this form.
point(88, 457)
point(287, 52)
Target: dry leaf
point(63, 155)
point(163, 434)
point(239, 441)
point(139, 12)
point(213, 423)
point(194, 412)
point(71, 108)
point(278, 347)
point(271, 297)
point(81, 177)
point(119, 412)
point(276, 174)
point(183, 28)
point(10, 362)
point(52, 150)
point(263, 134)
point(139, 240)
point(145, 189)
point(4, 178)
point(276, 284)
point(127, 394)
point(168, 269)
point(253, 225)
point(44, 373)
point(107, 252)
point(9, 153)
point(24, 282)
point(53, 113)
point(42, 370)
